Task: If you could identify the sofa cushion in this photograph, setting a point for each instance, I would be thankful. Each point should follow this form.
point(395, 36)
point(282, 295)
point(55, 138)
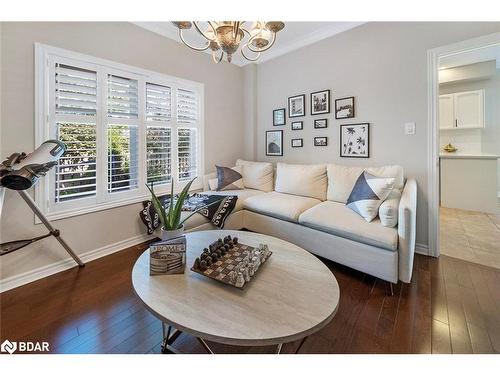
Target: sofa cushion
point(341, 179)
point(388, 211)
point(301, 179)
point(229, 178)
point(368, 194)
point(282, 206)
point(241, 194)
point(256, 175)
point(338, 219)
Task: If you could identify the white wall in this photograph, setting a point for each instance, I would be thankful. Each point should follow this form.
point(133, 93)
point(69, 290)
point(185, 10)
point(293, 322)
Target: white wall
point(384, 65)
point(124, 43)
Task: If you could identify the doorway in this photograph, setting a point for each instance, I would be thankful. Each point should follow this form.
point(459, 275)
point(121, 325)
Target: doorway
point(464, 147)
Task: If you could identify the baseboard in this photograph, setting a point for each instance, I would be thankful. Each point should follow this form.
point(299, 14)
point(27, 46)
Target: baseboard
point(422, 249)
point(41, 272)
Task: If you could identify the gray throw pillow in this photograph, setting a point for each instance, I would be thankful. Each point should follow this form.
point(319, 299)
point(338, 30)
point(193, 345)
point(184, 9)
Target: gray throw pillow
point(368, 194)
point(229, 178)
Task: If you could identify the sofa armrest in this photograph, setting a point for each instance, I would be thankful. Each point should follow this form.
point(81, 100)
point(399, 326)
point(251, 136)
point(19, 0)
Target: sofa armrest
point(407, 218)
point(207, 177)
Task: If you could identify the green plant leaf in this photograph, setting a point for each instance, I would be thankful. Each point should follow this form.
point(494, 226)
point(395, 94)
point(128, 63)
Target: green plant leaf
point(171, 206)
point(157, 205)
point(180, 202)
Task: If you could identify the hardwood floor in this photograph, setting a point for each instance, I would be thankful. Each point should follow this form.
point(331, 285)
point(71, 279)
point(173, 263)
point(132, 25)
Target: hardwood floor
point(451, 306)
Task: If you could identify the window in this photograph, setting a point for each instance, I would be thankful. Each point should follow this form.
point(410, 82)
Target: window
point(123, 127)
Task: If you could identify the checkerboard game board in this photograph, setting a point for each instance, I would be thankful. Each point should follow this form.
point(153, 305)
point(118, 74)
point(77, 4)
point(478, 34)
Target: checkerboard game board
point(220, 270)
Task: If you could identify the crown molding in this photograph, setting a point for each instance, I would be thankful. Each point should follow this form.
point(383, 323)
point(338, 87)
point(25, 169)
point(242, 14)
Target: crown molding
point(277, 50)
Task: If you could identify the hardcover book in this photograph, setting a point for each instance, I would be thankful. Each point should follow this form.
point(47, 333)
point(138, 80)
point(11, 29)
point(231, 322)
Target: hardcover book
point(167, 257)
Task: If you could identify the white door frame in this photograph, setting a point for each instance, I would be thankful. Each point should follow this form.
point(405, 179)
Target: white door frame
point(433, 57)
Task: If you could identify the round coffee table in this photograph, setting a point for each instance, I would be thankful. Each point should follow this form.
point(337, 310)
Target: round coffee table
point(292, 296)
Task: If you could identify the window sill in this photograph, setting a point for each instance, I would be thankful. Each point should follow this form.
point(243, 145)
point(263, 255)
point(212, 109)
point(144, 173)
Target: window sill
point(106, 206)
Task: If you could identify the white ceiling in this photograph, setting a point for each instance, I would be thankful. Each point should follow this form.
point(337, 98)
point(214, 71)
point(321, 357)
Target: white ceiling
point(294, 36)
point(472, 57)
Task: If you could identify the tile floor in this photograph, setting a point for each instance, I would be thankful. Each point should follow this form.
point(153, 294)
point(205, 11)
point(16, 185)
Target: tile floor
point(469, 235)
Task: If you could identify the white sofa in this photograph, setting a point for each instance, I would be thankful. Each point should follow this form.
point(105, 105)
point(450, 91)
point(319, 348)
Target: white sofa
point(305, 204)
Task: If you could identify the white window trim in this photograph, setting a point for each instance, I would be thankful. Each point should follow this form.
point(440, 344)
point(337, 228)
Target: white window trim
point(43, 53)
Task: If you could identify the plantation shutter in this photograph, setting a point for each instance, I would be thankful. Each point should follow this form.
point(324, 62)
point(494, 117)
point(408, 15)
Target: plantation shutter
point(123, 133)
point(122, 97)
point(187, 107)
point(158, 102)
point(75, 109)
point(187, 134)
point(158, 133)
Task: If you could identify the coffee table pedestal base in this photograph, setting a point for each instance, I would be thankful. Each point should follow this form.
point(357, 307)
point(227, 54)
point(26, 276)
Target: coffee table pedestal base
point(171, 334)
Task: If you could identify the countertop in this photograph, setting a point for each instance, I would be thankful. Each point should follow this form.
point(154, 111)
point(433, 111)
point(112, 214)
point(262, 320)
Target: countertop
point(467, 155)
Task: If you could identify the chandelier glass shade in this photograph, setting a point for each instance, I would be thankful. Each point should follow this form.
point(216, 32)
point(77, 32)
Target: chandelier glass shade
point(224, 38)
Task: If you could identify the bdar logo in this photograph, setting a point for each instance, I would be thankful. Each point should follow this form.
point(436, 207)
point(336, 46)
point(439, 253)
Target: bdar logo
point(8, 346)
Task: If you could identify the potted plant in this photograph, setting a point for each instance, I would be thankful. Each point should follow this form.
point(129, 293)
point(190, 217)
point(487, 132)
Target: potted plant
point(172, 225)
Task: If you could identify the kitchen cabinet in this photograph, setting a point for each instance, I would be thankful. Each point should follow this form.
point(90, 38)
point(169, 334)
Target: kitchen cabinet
point(462, 110)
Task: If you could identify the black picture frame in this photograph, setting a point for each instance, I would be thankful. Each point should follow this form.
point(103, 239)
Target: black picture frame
point(290, 112)
point(301, 143)
point(346, 143)
point(314, 105)
point(280, 145)
point(298, 122)
point(338, 108)
point(276, 115)
point(317, 140)
point(317, 122)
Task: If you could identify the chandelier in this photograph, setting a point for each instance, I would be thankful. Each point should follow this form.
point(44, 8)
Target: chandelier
point(225, 37)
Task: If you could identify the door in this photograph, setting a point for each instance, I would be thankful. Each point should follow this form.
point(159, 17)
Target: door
point(469, 109)
point(446, 112)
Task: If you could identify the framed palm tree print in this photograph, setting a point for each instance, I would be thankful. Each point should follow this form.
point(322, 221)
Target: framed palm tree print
point(355, 140)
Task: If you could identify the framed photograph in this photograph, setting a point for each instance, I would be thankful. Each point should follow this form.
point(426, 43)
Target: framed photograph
point(321, 123)
point(355, 140)
point(320, 102)
point(344, 108)
point(297, 142)
point(297, 106)
point(297, 125)
point(279, 116)
point(321, 141)
point(274, 143)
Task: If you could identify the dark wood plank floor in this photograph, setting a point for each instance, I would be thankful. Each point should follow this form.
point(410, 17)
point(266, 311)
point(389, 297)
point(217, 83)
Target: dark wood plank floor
point(451, 306)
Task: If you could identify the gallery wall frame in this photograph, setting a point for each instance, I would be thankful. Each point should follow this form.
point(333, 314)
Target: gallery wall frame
point(344, 108)
point(274, 143)
point(320, 102)
point(297, 106)
point(355, 140)
point(279, 117)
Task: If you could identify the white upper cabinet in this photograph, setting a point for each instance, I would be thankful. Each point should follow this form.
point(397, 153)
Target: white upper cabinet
point(446, 112)
point(462, 110)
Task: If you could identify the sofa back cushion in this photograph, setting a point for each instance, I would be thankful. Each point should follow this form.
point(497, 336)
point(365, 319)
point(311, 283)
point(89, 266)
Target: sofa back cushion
point(300, 179)
point(257, 175)
point(341, 179)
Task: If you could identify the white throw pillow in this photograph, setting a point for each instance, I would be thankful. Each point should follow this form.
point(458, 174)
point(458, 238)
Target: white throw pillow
point(301, 179)
point(368, 193)
point(212, 184)
point(389, 209)
point(256, 175)
point(341, 179)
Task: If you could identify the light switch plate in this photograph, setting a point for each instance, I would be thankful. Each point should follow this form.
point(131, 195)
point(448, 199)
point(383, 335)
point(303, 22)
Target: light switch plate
point(410, 128)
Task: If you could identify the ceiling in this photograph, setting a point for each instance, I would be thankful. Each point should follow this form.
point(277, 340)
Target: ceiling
point(472, 57)
point(294, 36)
